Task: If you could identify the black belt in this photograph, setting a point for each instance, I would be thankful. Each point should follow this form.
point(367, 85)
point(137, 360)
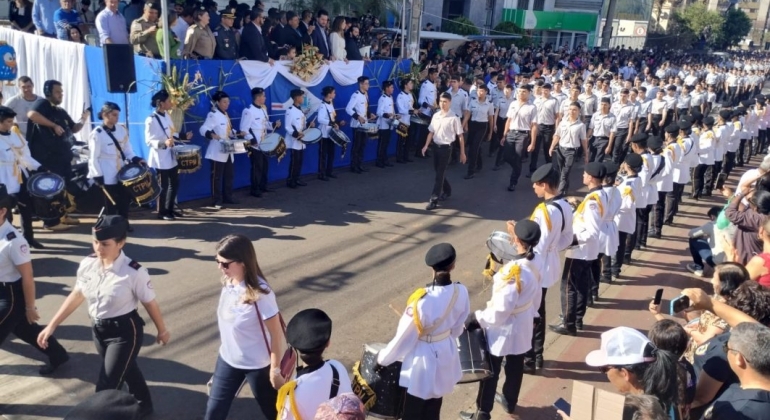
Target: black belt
point(441, 146)
point(520, 131)
point(546, 125)
point(116, 321)
point(11, 283)
point(569, 148)
point(602, 137)
point(479, 122)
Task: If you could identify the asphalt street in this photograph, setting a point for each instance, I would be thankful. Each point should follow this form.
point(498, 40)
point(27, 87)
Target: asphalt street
point(351, 246)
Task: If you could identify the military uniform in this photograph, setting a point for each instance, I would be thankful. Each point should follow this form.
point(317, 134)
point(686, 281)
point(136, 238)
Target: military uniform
point(358, 106)
point(157, 129)
point(255, 123)
point(218, 122)
point(199, 43)
point(405, 108)
point(227, 44)
point(295, 123)
point(386, 111)
point(110, 150)
point(481, 113)
point(16, 162)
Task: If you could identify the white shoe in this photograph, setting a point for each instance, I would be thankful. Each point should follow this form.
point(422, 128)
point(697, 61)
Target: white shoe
point(691, 267)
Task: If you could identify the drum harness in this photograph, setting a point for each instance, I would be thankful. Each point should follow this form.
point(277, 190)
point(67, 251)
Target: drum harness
point(426, 335)
point(117, 143)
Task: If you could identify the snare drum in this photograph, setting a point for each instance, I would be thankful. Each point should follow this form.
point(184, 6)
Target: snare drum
point(474, 356)
point(311, 135)
point(371, 130)
point(379, 391)
point(273, 146)
point(232, 146)
point(188, 158)
point(340, 139)
point(499, 244)
point(139, 182)
point(47, 193)
point(420, 119)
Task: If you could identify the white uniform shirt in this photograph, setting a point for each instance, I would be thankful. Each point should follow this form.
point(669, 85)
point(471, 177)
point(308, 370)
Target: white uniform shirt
point(219, 123)
point(586, 222)
point(553, 239)
point(644, 179)
point(602, 124)
point(114, 291)
point(327, 116)
point(521, 116)
point(460, 101)
point(428, 94)
point(105, 159)
point(706, 148)
point(624, 114)
point(665, 180)
point(510, 312)
point(626, 217)
point(481, 111)
point(430, 370)
point(546, 110)
point(571, 133)
point(445, 127)
point(651, 188)
point(155, 135)
point(385, 105)
point(608, 235)
point(590, 104)
point(15, 160)
point(682, 166)
point(243, 345)
point(658, 107)
point(503, 104)
point(313, 389)
point(14, 251)
point(294, 119)
point(683, 102)
point(734, 141)
point(358, 106)
point(404, 104)
point(255, 123)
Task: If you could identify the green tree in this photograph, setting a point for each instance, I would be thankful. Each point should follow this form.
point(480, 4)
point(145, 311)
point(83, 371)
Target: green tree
point(508, 28)
point(697, 17)
point(461, 26)
point(736, 26)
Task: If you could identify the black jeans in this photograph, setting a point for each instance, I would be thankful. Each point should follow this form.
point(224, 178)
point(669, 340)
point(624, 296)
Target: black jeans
point(619, 146)
point(222, 180)
point(382, 146)
point(441, 156)
point(420, 136)
point(513, 153)
point(701, 251)
point(514, 375)
point(122, 200)
point(169, 185)
point(227, 381)
point(565, 158)
point(544, 138)
point(259, 166)
point(419, 409)
point(575, 288)
point(326, 157)
point(598, 147)
point(538, 335)
point(118, 341)
point(477, 132)
point(616, 262)
point(13, 319)
point(360, 138)
point(295, 166)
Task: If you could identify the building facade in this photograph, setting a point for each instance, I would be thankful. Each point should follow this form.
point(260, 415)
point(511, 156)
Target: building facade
point(561, 23)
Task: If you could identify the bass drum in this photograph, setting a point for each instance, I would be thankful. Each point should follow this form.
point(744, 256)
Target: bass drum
point(474, 356)
point(379, 391)
point(47, 193)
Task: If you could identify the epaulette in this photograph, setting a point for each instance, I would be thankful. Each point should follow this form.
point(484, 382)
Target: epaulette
point(10, 236)
point(135, 265)
point(98, 129)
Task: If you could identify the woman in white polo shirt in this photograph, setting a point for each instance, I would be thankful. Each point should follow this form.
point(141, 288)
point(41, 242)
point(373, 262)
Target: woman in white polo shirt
point(244, 353)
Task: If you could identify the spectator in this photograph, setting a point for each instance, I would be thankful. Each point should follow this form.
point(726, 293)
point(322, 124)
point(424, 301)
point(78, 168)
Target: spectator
point(291, 36)
point(199, 42)
point(20, 15)
point(111, 25)
point(318, 36)
point(22, 103)
point(352, 49)
point(43, 17)
point(74, 35)
point(174, 45)
point(253, 43)
point(180, 27)
point(85, 12)
point(305, 24)
point(759, 265)
point(748, 220)
point(214, 19)
point(337, 39)
point(342, 407)
point(132, 12)
point(227, 38)
point(144, 31)
point(668, 335)
point(704, 246)
point(276, 35)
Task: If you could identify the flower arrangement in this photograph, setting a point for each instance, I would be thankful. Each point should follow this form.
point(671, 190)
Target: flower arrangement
point(308, 63)
point(184, 93)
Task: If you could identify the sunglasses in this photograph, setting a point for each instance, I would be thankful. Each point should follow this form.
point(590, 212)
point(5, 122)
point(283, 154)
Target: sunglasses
point(224, 264)
point(605, 369)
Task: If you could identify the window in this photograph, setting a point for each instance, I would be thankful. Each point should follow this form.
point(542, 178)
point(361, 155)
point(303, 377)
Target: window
point(539, 5)
point(523, 5)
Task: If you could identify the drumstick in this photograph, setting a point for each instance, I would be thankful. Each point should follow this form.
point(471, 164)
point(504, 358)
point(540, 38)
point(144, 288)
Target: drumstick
point(109, 197)
point(390, 305)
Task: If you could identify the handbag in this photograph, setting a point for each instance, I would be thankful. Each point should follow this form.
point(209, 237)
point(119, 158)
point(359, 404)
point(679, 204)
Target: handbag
point(289, 360)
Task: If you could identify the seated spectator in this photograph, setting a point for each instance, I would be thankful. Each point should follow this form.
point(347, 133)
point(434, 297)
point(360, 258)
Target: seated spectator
point(668, 335)
point(74, 35)
point(143, 31)
point(291, 54)
point(759, 265)
point(703, 245)
point(173, 41)
point(342, 407)
point(65, 17)
point(748, 220)
point(111, 25)
point(20, 16)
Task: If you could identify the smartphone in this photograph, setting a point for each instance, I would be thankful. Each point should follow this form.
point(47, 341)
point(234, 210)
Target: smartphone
point(679, 304)
point(563, 405)
point(658, 296)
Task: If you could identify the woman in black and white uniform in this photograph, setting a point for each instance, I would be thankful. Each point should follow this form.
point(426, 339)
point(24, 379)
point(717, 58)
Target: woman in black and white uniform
point(160, 135)
point(113, 285)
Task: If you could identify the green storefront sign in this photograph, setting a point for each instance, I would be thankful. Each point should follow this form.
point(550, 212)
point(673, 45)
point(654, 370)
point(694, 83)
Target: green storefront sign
point(551, 21)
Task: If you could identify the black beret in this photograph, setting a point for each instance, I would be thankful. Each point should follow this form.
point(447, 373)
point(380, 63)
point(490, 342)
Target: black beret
point(736, 113)
point(527, 231)
point(611, 168)
point(440, 256)
point(688, 118)
point(542, 173)
point(309, 330)
point(606, 100)
point(634, 160)
point(6, 113)
point(746, 104)
point(638, 137)
point(685, 125)
point(725, 114)
point(761, 101)
point(654, 142)
point(596, 170)
point(740, 110)
point(672, 128)
point(110, 227)
point(547, 86)
point(108, 404)
point(708, 120)
point(760, 96)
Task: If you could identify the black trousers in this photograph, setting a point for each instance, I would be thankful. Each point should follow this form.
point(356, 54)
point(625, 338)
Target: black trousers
point(222, 180)
point(762, 142)
point(477, 132)
point(326, 157)
point(565, 158)
point(659, 210)
point(596, 276)
point(13, 319)
point(24, 204)
point(715, 175)
point(699, 179)
point(441, 156)
point(494, 145)
point(169, 186)
point(295, 166)
point(673, 198)
point(118, 341)
point(544, 138)
point(642, 225)
point(575, 288)
point(419, 409)
point(406, 143)
point(616, 262)
point(383, 141)
point(741, 152)
point(60, 165)
point(597, 149)
point(122, 200)
point(633, 239)
point(538, 335)
point(620, 147)
point(515, 144)
point(729, 163)
point(655, 127)
point(357, 151)
point(514, 375)
point(259, 166)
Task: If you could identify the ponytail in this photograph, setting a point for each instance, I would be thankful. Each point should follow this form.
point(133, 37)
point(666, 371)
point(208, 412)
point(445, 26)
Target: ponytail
point(529, 254)
point(660, 376)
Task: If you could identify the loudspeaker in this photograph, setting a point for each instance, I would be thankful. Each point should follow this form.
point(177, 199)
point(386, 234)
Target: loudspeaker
point(119, 65)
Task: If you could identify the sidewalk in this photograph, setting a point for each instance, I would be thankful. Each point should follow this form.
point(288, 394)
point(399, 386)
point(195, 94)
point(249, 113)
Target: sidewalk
point(624, 303)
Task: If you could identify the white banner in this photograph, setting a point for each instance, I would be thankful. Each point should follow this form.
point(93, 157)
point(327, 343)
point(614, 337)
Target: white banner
point(260, 74)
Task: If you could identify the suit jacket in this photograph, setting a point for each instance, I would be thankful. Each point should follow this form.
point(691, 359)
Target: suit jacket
point(253, 45)
point(289, 36)
point(318, 36)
